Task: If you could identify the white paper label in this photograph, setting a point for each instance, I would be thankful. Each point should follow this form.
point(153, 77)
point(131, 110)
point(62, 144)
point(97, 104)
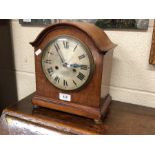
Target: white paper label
point(27, 20)
point(38, 52)
point(64, 97)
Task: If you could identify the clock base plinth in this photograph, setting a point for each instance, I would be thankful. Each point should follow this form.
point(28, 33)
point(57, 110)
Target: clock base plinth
point(105, 106)
point(22, 118)
point(74, 108)
point(104, 109)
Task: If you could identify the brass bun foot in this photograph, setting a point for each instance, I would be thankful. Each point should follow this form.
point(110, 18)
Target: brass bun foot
point(98, 121)
point(35, 106)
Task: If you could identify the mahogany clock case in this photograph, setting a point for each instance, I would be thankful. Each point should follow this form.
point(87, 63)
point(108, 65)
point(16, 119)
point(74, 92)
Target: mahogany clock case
point(87, 100)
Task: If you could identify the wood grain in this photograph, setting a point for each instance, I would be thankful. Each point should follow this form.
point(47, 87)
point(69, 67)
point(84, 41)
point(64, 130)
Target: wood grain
point(33, 118)
point(122, 119)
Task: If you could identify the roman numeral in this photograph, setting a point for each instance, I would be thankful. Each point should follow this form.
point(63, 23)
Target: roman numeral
point(47, 61)
point(57, 47)
point(74, 82)
point(81, 56)
point(66, 44)
point(65, 83)
point(84, 67)
point(50, 70)
point(80, 76)
point(75, 48)
point(57, 79)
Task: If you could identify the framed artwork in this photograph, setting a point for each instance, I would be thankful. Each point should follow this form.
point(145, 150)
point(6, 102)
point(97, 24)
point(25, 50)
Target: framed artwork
point(152, 52)
point(37, 22)
point(137, 24)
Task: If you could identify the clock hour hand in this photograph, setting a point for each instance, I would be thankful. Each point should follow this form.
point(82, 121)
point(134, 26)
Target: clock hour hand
point(73, 65)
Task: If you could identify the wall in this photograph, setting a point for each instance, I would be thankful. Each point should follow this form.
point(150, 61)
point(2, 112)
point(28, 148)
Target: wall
point(133, 79)
point(24, 57)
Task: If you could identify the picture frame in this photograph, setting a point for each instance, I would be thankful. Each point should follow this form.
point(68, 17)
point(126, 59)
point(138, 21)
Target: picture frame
point(152, 51)
point(136, 24)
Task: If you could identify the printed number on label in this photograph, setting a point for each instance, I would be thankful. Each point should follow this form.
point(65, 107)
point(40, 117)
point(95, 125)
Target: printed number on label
point(64, 97)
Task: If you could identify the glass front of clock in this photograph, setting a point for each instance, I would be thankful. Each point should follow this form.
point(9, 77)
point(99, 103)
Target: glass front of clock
point(67, 63)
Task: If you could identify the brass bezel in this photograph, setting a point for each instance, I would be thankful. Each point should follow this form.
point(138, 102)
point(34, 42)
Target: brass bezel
point(90, 56)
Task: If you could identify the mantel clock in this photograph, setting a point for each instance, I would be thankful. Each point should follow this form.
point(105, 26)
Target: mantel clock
point(72, 66)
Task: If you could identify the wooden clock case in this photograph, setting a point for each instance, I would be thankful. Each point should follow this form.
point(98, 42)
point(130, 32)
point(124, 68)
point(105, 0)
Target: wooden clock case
point(89, 101)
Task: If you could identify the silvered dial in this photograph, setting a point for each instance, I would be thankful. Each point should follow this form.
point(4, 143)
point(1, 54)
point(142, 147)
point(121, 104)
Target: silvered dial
point(67, 63)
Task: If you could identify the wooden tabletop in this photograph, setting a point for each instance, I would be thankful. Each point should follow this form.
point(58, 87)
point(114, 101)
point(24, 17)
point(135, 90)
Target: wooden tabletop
point(122, 118)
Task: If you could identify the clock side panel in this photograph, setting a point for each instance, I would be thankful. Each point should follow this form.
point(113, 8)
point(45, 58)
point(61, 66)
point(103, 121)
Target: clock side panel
point(89, 95)
point(106, 74)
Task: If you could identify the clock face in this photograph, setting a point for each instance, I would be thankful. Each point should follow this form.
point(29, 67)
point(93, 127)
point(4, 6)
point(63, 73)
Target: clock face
point(67, 63)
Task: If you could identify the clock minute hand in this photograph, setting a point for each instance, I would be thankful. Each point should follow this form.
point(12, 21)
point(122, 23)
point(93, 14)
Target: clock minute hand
point(58, 51)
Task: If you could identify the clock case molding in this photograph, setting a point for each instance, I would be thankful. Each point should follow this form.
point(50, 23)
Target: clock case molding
point(89, 101)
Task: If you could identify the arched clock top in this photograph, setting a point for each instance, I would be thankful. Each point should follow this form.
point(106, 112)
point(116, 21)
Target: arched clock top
point(97, 35)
